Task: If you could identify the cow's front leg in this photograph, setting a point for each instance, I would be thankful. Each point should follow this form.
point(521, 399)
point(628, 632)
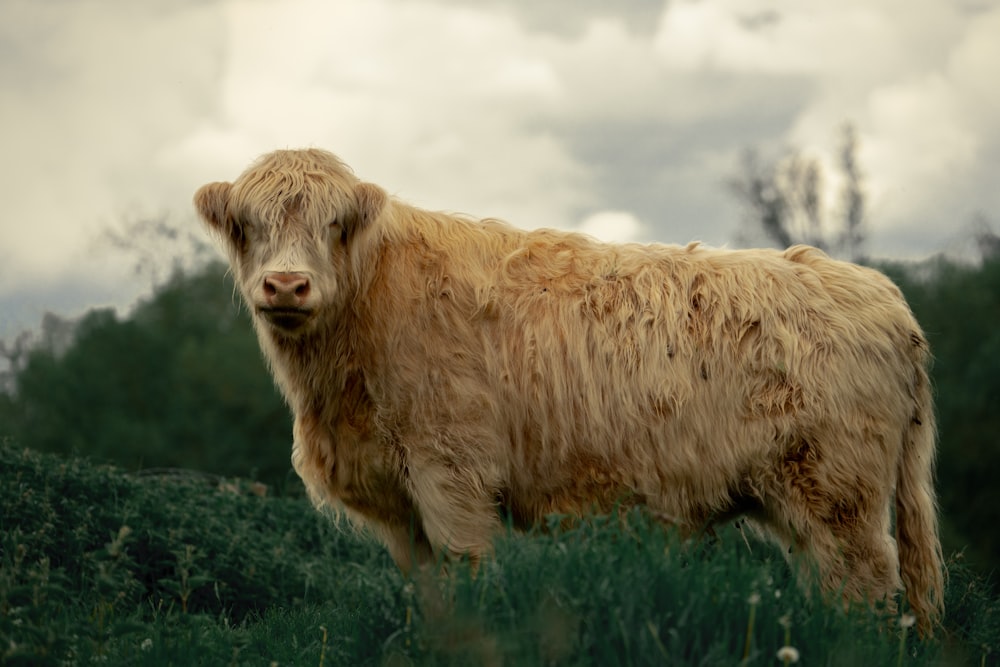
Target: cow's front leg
point(456, 503)
point(407, 544)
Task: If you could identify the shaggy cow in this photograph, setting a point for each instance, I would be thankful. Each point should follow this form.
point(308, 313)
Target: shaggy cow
point(442, 370)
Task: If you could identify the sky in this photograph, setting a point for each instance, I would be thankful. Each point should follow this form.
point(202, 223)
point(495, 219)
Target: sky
point(625, 120)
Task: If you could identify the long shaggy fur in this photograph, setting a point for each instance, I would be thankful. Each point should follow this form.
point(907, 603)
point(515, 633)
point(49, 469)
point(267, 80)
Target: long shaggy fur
point(454, 368)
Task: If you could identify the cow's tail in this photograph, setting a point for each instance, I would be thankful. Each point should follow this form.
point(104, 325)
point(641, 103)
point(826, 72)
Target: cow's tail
point(920, 555)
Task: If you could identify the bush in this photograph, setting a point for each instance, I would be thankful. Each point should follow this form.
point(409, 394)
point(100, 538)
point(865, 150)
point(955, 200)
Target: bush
point(87, 548)
point(98, 564)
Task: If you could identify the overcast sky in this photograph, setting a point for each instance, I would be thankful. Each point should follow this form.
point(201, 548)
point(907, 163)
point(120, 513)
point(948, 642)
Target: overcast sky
point(624, 119)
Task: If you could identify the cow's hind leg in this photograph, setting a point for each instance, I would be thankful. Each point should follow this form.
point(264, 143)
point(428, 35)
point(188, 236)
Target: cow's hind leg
point(835, 524)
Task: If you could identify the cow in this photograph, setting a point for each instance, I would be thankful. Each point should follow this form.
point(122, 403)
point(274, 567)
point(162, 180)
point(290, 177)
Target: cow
point(445, 372)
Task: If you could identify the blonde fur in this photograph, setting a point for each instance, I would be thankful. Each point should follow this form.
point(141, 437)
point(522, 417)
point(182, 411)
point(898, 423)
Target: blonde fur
point(451, 368)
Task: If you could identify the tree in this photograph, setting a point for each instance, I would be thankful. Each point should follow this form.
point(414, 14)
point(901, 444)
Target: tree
point(15, 356)
point(852, 195)
point(179, 383)
point(783, 200)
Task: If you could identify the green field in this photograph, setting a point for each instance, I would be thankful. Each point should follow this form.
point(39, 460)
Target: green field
point(98, 566)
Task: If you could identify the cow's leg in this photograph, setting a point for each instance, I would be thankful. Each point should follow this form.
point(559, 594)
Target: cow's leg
point(840, 525)
point(868, 552)
point(857, 563)
point(407, 544)
point(457, 507)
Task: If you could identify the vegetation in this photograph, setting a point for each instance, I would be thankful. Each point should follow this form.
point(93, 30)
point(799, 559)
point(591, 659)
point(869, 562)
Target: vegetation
point(179, 383)
point(97, 565)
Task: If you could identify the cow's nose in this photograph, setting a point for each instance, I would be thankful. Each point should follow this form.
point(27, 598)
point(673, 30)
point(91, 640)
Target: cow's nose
point(286, 290)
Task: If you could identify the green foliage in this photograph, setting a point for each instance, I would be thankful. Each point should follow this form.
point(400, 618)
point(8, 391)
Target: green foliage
point(97, 565)
point(959, 307)
point(180, 383)
point(90, 554)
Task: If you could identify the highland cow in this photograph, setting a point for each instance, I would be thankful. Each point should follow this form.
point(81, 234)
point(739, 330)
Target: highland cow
point(443, 371)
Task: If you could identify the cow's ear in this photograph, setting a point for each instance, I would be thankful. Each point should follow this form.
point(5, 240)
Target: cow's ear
point(211, 201)
point(370, 199)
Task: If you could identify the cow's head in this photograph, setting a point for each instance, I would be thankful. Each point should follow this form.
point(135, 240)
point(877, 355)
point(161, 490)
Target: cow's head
point(289, 223)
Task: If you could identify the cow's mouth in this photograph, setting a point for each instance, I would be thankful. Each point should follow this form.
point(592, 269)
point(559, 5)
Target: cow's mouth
point(286, 319)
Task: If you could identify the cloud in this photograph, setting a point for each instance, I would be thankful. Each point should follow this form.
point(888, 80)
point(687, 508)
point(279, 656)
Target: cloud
point(911, 77)
point(430, 101)
point(933, 142)
point(91, 94)
point(568, 18)
point(613, 226)
point(540, 128)
point(545, 114)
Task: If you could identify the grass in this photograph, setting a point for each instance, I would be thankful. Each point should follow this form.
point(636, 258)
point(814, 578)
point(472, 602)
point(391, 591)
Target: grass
point(98, 566)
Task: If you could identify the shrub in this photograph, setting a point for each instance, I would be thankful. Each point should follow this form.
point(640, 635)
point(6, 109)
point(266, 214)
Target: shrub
point(100, 565)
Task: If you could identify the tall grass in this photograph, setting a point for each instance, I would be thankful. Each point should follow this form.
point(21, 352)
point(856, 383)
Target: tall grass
point(100, 566)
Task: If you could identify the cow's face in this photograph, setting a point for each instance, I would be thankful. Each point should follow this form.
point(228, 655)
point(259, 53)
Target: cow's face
point(288, 224)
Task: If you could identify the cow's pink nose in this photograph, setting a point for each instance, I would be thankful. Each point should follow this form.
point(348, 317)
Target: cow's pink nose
point(286, 290)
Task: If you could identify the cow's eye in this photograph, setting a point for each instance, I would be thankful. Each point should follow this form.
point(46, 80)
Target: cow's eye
point(238, 232)
point(337, 230)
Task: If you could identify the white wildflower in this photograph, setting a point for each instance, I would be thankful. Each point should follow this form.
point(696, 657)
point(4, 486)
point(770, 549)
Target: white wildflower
point(788, 654)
